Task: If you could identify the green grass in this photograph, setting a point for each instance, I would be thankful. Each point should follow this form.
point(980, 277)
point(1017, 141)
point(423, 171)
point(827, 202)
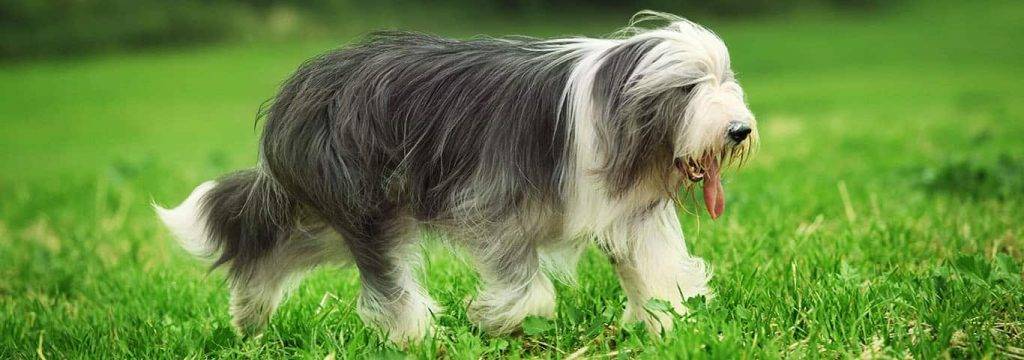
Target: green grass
point(882, 216)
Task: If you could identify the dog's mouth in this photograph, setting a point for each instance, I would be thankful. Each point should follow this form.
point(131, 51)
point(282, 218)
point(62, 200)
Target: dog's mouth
point(706, 169)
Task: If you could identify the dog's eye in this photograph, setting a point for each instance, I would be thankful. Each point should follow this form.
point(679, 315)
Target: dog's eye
point(686, 89)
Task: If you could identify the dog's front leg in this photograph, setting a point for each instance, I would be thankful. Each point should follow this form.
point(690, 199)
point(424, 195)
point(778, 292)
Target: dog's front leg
point(651, 260)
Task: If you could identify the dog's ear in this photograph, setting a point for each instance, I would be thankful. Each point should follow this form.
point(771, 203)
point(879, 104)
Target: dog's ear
point(634, 127)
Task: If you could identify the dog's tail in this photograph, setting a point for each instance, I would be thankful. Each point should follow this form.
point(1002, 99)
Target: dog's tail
point(233, 220)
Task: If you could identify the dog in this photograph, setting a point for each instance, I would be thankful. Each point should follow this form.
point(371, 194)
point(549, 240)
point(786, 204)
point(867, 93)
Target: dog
point(522, 151)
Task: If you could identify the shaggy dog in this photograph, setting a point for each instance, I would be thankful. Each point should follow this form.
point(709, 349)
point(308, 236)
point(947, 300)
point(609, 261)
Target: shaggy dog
point(520, 150)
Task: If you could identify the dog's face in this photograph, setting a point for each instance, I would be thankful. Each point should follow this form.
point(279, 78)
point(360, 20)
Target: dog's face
point(681, 113)
point(716, 128)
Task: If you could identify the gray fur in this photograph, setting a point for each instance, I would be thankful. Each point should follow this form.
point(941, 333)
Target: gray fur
point(635, 134)
point(409, 125)
point(402, 130)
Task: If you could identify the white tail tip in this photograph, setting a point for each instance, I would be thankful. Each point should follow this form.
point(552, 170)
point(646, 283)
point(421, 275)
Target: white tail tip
point(187, 225)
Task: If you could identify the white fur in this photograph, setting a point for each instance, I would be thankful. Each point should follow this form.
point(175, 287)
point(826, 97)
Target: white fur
point(407, 316)
point(651, 256)
point(405, 319)
point(654, 264)
point(186, 224)
point(499, 309)
point(689, 54)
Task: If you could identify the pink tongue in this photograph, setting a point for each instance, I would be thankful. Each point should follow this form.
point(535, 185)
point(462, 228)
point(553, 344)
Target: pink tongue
point(714, 196)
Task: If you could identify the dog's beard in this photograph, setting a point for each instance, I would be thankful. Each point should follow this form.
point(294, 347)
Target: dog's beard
point(708, 171)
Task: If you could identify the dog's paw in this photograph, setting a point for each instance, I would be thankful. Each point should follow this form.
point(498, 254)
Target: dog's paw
point(658, 316)
point(406, 321)
point(502, 312)
point(409, 332)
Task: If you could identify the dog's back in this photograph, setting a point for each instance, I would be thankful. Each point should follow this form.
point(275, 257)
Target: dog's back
point(420, 123)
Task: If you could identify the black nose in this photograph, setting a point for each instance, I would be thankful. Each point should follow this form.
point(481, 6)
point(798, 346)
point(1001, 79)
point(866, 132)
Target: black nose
point(738, 131)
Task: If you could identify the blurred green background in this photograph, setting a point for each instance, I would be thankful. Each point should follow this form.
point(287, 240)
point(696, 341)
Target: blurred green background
point(32, 28)
point(881, 217)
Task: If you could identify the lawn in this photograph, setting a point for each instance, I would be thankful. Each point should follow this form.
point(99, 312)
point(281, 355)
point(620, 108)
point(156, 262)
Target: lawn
point(881, 217)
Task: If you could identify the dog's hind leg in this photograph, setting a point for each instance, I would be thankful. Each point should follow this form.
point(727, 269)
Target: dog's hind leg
point(258, 286)
point(513, 288)
point(386, 250)
point(246, 222)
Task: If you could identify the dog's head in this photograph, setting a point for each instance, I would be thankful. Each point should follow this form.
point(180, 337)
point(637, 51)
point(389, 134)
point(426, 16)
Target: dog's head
point(671, 109)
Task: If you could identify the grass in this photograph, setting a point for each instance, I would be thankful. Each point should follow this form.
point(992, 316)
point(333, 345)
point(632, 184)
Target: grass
point(881, 217)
